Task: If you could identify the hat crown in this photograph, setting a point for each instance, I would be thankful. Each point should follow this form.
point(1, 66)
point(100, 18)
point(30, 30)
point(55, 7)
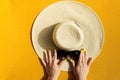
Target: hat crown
point(68, 35)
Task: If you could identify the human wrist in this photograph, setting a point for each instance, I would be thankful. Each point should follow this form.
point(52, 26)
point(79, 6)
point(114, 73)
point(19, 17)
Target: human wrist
point(52, 78)
point(81, 78)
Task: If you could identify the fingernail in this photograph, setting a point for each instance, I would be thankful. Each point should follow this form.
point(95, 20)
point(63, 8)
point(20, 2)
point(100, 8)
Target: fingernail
point(55, 50)
point(71, 60)
point(64, 60)
point(83, 50)
point(44, 52)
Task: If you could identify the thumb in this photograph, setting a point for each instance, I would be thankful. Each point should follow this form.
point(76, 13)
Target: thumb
point(61, 62)
point(72, 62)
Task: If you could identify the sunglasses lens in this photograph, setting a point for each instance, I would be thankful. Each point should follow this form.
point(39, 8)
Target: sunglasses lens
point(74, 54)
point(61, 54)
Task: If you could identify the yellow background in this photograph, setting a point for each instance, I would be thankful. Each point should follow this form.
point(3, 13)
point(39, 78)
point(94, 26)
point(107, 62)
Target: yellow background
point(18, 61)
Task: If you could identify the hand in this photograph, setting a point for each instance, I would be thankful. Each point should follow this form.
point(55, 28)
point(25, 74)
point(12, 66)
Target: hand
point(52, 67)
point(81, 69)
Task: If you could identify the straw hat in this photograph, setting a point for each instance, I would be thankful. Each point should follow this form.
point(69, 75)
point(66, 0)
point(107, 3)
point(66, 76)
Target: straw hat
point(67, 25)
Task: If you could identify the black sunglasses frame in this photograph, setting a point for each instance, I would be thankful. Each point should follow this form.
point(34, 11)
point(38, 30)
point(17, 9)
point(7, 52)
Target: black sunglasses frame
point(74, 55)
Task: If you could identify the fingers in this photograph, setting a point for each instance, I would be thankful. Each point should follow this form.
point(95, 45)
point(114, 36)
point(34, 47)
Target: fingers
point(72, 63)
point(81, 58)
point(73, 66)
point(45, 57)
point(55, 56)
point(89, 61)
point(49, 56)
point(60, 63)
point(85, 57)
point(43, 62)
point(82, 54)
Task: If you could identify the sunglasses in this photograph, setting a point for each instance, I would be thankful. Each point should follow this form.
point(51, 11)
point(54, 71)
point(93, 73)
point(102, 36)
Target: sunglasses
point(74, 55)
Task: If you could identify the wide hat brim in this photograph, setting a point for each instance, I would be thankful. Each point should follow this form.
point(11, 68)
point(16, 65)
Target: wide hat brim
point(67, 10)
